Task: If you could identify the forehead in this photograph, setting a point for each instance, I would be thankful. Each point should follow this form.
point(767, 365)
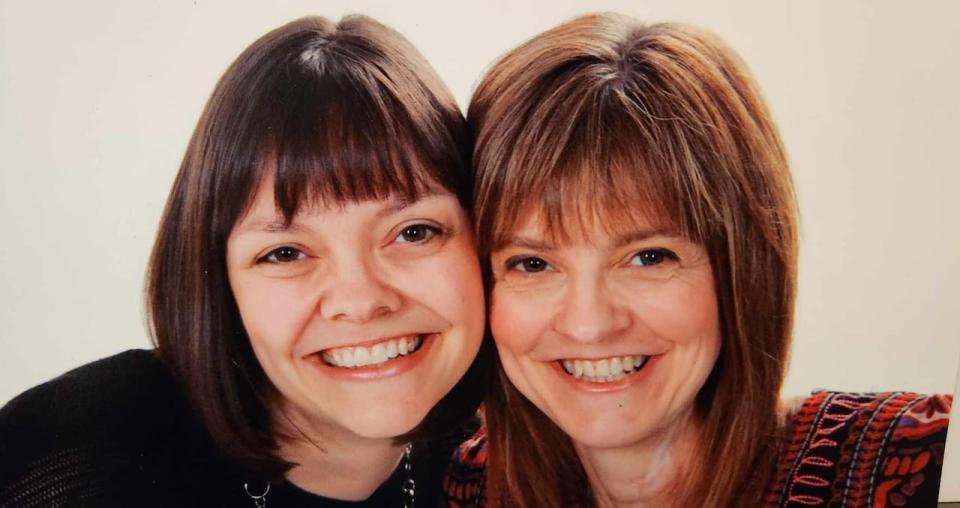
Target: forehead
point(266, 213)
point(321, 189)
point(582, 196)
point(588, 225)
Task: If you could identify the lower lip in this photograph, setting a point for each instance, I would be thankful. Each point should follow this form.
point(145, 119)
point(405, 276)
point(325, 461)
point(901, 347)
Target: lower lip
point(388, 369)
point(629, 380)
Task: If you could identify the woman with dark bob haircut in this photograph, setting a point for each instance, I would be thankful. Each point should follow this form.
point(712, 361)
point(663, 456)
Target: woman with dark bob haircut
point(314, 296)
point(635, 210)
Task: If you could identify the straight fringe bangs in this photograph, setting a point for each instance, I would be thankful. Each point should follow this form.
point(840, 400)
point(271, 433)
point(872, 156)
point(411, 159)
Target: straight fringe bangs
point(604, 120)
point(361, 143)
point(333, 113)
point(342, 122)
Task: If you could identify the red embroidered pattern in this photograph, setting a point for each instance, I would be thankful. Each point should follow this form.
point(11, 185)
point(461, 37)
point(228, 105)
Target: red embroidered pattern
point(840, 449)
point(862, 449)
point(464, 484)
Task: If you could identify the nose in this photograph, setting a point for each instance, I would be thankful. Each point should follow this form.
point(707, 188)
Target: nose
point(357, 293)
point(590, 313)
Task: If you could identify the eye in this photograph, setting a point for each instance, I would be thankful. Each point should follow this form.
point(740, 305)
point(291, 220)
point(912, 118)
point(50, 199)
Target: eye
point(417, 233)
point(285, 254)
point(527, 264)
point(651, 257)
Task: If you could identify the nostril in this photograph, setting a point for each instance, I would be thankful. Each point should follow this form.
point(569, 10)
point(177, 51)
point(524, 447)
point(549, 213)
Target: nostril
point(359, 301)
point(360, 314)
point(357, 294)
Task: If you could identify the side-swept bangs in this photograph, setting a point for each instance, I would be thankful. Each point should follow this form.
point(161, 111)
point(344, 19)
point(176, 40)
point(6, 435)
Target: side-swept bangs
point(589, 157)
point(332, 113)
point(600, 122)
point(639, 123)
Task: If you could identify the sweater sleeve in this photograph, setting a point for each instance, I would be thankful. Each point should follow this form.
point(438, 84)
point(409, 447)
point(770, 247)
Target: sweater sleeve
point(910, 472)
point(78, 439)
point(862, 449)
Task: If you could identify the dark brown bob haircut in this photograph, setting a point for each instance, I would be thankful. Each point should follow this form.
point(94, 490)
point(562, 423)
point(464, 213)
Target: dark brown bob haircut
point(333, 113)
point(607, 117)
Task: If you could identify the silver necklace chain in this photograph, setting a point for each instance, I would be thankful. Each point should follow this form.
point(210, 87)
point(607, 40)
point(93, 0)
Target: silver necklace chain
point(259, 500)
point(407, 488)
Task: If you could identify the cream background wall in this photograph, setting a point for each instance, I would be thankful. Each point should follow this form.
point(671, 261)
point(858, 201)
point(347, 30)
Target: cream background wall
point(97, 101)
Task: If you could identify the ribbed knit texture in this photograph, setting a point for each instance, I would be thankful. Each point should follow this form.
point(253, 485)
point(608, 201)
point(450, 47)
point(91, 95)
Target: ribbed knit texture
point(119, 433)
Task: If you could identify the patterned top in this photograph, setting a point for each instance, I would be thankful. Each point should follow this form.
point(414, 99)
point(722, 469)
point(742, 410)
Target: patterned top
point(841, 449)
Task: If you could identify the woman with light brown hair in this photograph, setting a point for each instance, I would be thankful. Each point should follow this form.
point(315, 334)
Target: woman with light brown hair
point(314, 296)
point(635, 206)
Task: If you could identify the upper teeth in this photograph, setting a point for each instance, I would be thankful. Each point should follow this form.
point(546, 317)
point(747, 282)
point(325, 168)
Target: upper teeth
point(607, 369)
point(359, 356)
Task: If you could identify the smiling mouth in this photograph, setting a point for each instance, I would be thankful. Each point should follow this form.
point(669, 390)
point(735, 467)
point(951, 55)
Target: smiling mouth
point(606, 370)
point(376, 354)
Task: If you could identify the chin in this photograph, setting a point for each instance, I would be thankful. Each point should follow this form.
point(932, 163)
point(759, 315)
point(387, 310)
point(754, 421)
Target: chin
point(605, 432)
point(605, 440)
point(387, 424)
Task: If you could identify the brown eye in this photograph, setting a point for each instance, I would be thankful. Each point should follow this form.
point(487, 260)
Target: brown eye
point(651, 257)
point(528, 264)
point(285, 254)
point(417, 233)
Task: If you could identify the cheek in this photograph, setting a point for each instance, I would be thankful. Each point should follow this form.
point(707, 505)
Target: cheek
point(516, 320)
point(450, 284)
point(273, 311)
point(683, 313)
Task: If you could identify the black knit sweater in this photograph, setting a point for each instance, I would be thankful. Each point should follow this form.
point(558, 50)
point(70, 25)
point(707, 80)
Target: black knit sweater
point(119, 432)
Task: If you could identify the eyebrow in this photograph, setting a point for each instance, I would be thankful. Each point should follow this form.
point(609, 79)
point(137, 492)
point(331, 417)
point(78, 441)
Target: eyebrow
point(276, 224)
point(638, 236)
point(620, 240)
point(396, 205)
point(523, 241)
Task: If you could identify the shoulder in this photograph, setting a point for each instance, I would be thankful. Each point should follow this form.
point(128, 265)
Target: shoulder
point(464, 481)
point(77, 401)
point(862, 448)
point(96, 422)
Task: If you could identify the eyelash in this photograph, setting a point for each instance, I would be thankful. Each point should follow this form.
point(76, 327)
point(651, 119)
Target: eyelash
point(431, 232)
point(271, 257)
point(523, 261)
point(515, 262)
point(664, 254)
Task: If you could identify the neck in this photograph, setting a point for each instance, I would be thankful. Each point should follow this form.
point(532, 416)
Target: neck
point(333, 462)
point(641, 474)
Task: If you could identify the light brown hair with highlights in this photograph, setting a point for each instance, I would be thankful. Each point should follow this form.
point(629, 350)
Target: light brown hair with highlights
point(607, 116)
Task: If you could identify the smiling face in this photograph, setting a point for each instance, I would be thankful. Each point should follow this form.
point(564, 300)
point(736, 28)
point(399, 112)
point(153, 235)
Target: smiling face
point(611, 335)
point(362, 316)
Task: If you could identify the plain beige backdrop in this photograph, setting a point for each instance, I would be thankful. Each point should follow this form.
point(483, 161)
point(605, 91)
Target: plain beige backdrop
point(97, 100)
